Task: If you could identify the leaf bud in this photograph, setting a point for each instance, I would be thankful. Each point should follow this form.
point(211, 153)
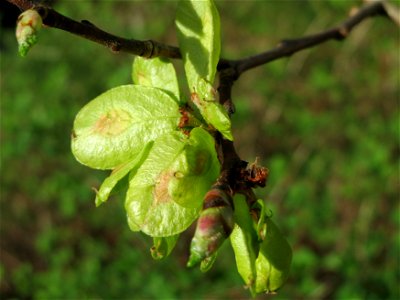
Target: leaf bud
point(28, 25)
point(213, 226)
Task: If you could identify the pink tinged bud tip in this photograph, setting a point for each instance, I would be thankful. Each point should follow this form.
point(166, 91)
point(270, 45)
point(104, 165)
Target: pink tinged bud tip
point(213, 226)
point(28, 25)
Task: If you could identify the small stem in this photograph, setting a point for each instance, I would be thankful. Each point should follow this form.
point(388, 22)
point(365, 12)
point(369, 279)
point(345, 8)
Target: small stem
point(87, 30)
point(289, 47)
point(152, 48)
point(226, 79)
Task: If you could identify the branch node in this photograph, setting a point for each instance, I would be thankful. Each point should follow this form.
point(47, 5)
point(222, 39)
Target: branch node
point(149, 49)
point(42, 11)
point(255, 175)
point(229, 106)
point(343, 33)
point(115, 46)
point(287, 43)
point(353, 11)
point(226, 79)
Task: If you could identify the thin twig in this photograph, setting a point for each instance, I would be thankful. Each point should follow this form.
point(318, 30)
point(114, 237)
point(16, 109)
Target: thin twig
point(91, 32)
point(152, 48)
point(289, 47)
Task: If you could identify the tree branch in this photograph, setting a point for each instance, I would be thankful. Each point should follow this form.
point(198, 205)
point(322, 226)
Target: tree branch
point(235, 172)
point(289, 47)
point(152, 48)
point(238, 174)
point(89, 31)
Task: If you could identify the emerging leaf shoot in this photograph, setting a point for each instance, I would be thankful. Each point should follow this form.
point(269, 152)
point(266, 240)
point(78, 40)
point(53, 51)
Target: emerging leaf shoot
point(198, 28)
point(213, 226)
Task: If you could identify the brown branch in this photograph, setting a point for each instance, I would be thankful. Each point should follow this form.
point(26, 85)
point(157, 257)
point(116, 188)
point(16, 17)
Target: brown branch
point(235, 172)
point(89, 31)
point(230, 160)
point(289, 47)
point(239, 175)
point(152, 48)
point(23, 4)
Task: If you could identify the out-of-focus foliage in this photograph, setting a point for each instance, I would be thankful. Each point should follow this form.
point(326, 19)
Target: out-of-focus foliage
point(325, 122)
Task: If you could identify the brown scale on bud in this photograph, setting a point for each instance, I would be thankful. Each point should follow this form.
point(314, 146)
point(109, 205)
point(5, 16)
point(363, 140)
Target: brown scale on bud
point(214, 225)
point(184, 121)
point(255, 175)
point(187, 120)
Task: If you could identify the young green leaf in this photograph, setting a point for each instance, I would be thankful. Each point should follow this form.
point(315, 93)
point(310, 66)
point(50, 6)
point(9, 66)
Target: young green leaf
point(197, 169)
point(156, 72)
point(205, 100)
point(273, 261)
point(114, 127)
point(244, 242)
point(149, 204)
point(162, 246)
point(118, 173)
point(132, 225)
point(198, 28)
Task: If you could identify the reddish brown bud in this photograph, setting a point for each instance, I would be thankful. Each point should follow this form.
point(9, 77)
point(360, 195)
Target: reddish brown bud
point(187, 120)
point(214, 225)
point(255, 175)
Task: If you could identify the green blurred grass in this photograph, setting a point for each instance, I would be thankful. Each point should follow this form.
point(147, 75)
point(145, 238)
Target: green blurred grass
point(325, 122)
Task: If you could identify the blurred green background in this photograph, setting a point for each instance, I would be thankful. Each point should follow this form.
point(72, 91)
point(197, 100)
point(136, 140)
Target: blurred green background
point(325, 122)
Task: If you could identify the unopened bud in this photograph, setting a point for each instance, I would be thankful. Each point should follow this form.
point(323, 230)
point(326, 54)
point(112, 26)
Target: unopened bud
point(213, 226)
point(28, 25)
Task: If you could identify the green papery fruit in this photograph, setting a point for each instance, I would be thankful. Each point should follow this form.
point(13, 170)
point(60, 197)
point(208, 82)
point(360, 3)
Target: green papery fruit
point(274, 260)
point(113, 128)
point(166, 191)
point(213, 226)
point(149, 205)
point(156, 72)
point(118, 174)
point(195, 171)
